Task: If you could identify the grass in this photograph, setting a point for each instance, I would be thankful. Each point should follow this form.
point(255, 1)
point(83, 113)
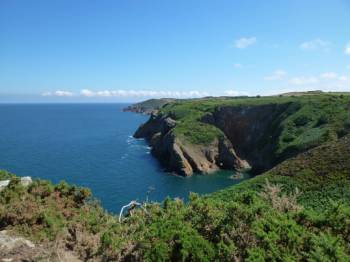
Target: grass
point(322, 174)
point(302, 123)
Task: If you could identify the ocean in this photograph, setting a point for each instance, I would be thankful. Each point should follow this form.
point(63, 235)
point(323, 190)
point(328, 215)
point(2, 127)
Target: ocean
point(92, 145)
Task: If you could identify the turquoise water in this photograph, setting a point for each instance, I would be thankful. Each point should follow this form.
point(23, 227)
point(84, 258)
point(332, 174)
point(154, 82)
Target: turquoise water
point(91, 145)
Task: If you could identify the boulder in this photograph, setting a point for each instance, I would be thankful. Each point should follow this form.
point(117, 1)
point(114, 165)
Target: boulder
point(25, 181)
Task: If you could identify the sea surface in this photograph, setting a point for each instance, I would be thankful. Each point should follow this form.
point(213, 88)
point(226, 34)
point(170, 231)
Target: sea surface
point(92, 145)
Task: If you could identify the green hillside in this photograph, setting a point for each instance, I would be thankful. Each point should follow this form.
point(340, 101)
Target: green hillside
point(304, 121)
point(297, 211)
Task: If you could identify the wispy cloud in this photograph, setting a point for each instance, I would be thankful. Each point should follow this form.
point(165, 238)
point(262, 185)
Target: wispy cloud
point(235, 93)
point(329, 75)
point(347, 49)
point(128, 93)
point(244, 42)
point(304, 80)
point(237, 65)
point(87, 93)
point(315, 44)
point(328, 81)
point(58, 93)
point(276, 75)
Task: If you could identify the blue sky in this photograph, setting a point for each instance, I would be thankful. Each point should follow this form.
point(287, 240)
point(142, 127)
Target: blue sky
point(130, 50)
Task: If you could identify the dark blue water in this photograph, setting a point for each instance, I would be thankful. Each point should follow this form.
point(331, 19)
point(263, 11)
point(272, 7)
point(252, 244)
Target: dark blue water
point(91, 145)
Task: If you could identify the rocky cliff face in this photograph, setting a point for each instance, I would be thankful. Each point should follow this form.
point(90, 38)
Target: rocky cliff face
point(250, 134)
point(252, 131)
point(184, 158)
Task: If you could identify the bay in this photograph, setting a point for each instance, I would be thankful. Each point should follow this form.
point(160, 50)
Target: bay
point(92, 145)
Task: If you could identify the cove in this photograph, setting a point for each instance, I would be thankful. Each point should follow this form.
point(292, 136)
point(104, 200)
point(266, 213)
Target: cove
point(92, 145)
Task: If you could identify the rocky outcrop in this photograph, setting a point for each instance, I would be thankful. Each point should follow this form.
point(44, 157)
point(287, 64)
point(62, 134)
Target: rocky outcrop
point(14, 248)
point(249, 141)
point(25, 181)
point(184, 158)
point(252, 131)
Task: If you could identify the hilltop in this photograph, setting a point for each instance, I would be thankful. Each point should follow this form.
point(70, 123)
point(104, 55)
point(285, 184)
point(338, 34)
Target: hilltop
point(149, 106)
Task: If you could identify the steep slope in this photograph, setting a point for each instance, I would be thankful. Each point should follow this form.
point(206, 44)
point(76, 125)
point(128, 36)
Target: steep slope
point(262, 219)
point(210, 134)
point(185, 158)
point(321, 174)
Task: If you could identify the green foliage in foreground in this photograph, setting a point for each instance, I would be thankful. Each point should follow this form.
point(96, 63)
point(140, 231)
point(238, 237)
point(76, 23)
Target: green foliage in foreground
point(249, 225)
point(297, 211)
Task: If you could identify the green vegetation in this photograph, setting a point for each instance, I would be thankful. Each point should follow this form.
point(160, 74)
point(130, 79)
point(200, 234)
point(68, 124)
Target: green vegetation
point(149, 106)
point(297, 211)
point(305, 122)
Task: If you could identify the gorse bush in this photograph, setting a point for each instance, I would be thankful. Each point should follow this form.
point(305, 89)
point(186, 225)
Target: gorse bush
point(256, 221)
point(282, 202)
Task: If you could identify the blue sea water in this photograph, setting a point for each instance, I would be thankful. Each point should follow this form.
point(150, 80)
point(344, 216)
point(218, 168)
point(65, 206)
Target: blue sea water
point(92, 145)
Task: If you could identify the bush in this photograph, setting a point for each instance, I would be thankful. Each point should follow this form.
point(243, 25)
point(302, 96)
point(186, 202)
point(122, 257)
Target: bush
point(302, 120)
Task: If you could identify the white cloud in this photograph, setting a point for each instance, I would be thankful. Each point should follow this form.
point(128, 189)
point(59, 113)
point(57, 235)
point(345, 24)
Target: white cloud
point(315, 44)
point(237, 65)
point(244, 42)
point(58, 93)
point(329, 75)
point(142, 93)
point(235, 93)
point(63, 93)
point(304, 80)
point(46, 94)
point(276, 75)
point(87, 93)
point(329, 81)
point(347, 49)
point(343, 78)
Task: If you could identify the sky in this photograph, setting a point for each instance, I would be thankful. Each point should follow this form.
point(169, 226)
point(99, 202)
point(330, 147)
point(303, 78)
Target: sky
point(131, 50)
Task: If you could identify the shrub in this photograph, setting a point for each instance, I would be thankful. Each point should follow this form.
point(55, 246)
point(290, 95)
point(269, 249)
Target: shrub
point(282, 202)
point(302, 120)
point(322, 120)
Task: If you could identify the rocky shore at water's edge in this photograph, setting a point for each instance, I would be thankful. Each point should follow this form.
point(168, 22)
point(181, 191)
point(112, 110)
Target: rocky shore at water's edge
point(184, 158)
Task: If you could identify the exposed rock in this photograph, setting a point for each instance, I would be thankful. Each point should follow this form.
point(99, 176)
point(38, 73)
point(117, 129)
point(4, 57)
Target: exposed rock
point(4, 183)
point(10, 242)
point(18, 249)
point(228, 157)
point(184, 158)
point(251, 131)
point(249, 141)
point(14, 249)
point(25, 181)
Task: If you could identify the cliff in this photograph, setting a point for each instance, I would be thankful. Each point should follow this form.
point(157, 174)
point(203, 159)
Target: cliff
point(184, 157)
point(238, 134)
